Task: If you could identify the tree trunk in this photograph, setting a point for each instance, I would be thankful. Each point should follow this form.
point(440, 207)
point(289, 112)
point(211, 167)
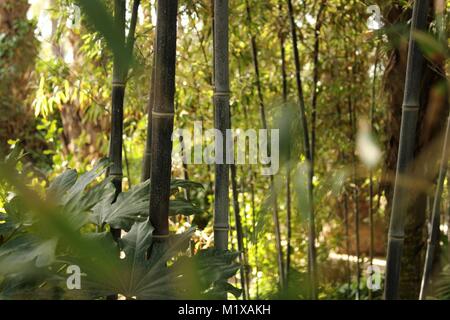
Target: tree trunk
point(18, 51)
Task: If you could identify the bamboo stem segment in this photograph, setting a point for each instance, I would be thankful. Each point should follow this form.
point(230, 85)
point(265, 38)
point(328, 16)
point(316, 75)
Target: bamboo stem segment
point(146, 162)
point(222, 122)
point(262, 110)
point(308, 155)
point(162, 123)
point(410, 111)
point(239, 233)
point(118, 94)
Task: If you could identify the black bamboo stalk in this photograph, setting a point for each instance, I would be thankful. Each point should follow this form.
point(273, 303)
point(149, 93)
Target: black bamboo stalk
point(371, 211)
point(282, 38)
point(315, 93)
point(127, 166)
point(255, 232)
point(146, 162)
point(410, 111)
point(120, 72)
point(239, 232)
point(162, 117)
point(352, 115)
point(312, 269)
point(433, 237)
point(118, 93)
point(222, 122)
point(347, 240)
point(262, 111)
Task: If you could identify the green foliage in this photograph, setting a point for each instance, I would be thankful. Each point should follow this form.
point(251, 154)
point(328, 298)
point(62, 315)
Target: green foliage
point(39, 240)
point(62, 106)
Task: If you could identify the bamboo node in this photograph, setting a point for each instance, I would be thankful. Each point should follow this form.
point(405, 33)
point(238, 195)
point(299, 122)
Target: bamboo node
point(222, 93)
point(395, 237)
point(162, 114)
point(160, 236)
point(221, 228)
point(118, 84)
point(410, 108)
point(112, 174)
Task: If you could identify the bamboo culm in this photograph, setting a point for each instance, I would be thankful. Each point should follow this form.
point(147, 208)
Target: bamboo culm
point(239, 232)
point(118, 92)
point(120, 72)
point(315, 80)
point(282, 39)
point(372, 115)
point(410, 111)
point(163, 117)
point(262, 110)
point(308, 155)
point(222, 122)
point(352, 116)
point(347, 240)
point(146, 162)
point(433, 238)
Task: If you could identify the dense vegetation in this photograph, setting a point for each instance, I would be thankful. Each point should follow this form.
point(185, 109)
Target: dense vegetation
point(94, 176)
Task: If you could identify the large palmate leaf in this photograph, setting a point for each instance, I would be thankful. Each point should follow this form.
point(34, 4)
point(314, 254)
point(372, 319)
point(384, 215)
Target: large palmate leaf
point(134, 204)
point(176, 184)
point(62, 183)
point(129, 207)
point(206, 274)
point(73, 194)
point(443, 284)
point(152, 269)
point(6, 227)
point(24, 252)
point(183, 206)
point(136, 276)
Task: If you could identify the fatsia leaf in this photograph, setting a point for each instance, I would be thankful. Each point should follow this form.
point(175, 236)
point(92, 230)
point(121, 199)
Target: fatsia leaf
point(206, 274)
point(158, 280)
point(62, 183)
point(17, 212)
point(185, 184)
point(443, 284)
point(137, 276)
point(75, 192)
point(183, 206)
point(26, 251)
point(129, 207)
point(95, 195)
point(6, 228)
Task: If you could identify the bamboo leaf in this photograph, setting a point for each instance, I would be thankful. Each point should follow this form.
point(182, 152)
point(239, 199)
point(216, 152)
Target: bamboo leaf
point(99, 16)
point(431, 47)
